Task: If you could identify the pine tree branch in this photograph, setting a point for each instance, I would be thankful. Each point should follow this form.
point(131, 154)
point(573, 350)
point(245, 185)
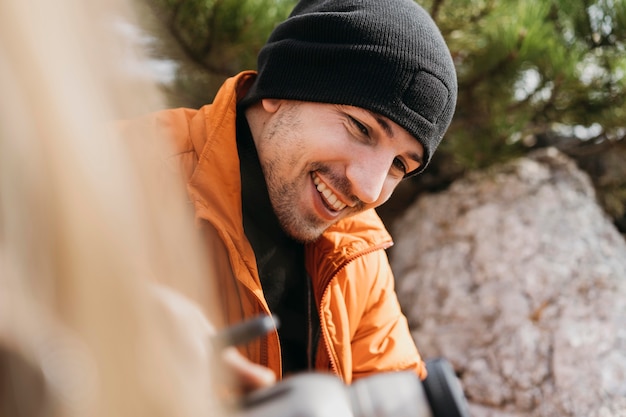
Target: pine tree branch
point(436, 7)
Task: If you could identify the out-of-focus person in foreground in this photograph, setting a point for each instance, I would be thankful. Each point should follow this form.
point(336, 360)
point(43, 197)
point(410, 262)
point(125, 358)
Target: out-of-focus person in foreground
point(105, 292)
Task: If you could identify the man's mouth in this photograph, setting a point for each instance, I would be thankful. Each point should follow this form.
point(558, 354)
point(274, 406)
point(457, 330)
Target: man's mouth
point(331, 200)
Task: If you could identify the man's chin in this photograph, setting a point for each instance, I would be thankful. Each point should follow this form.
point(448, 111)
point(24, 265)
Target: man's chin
point(308, 237)
point(305, 234)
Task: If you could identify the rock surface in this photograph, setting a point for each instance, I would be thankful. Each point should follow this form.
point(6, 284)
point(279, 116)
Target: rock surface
point(518, 277)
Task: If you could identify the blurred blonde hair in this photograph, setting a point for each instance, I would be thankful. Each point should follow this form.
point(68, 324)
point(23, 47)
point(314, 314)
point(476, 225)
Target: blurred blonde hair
point(86, 228)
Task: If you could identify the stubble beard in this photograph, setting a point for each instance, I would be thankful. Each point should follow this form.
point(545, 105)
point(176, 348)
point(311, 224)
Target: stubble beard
point(301, 226)
point(285, 196)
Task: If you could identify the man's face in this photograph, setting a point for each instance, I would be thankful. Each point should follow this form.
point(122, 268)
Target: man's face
point(325, 162)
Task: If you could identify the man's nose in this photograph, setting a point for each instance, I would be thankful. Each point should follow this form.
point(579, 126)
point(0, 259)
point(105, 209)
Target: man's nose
point(367, 175)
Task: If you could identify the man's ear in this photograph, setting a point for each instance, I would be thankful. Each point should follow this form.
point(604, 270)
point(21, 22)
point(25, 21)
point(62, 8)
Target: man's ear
point(271, 105)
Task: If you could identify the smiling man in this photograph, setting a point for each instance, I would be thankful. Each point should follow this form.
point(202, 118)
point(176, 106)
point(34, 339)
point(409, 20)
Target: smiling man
point(286, 167)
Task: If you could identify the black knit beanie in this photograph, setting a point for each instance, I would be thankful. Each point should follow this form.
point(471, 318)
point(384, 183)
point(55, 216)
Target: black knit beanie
point(387, 56)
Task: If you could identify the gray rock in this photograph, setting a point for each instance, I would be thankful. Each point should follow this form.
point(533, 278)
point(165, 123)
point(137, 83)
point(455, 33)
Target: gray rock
point(518, 277)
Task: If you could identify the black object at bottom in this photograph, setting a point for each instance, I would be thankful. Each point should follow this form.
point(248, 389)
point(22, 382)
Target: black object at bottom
point(443, 390)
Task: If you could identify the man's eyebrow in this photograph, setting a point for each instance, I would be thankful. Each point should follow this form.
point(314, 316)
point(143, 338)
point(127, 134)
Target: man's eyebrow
point(382, 122)
point(387, 128)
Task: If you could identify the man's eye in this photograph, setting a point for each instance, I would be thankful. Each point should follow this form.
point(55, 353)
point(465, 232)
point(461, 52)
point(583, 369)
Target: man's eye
point(359, 126)
point(400, 165)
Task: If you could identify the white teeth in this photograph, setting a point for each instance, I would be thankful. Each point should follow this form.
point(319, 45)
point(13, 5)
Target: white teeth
point(329, 196)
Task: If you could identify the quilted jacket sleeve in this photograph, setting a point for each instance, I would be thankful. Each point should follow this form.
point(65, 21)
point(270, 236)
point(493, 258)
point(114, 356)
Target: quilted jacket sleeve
point(380, 336)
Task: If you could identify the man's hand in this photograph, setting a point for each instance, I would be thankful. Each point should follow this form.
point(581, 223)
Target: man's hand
point(196, 337)
point(248, 375)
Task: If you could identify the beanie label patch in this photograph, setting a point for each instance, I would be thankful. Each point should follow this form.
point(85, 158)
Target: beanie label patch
point(427, 96)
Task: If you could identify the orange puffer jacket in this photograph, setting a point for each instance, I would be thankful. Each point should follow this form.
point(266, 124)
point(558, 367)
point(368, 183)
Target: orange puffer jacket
point(362, 328)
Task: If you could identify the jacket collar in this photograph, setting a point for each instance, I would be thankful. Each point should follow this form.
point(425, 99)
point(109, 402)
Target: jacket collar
point(215, 185)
